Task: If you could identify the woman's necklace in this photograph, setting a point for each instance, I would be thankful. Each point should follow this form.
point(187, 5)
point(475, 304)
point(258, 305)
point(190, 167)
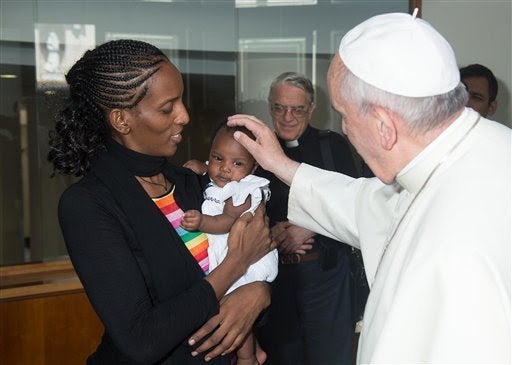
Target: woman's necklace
point(164, 185)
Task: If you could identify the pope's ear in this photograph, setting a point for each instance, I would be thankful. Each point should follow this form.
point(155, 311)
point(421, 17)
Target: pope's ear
point(117, 119)
point(387, 128)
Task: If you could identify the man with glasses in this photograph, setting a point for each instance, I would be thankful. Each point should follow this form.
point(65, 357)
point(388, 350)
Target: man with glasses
point(309, 320)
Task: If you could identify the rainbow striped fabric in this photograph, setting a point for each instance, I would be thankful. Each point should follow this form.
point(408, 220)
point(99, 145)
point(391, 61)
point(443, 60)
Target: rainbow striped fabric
point(196, 242)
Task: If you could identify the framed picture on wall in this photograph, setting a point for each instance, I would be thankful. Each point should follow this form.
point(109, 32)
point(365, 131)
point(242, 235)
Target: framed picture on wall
point(260, 61)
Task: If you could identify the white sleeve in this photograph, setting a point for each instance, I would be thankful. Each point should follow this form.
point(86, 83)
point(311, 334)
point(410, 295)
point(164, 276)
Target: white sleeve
point(355, 211)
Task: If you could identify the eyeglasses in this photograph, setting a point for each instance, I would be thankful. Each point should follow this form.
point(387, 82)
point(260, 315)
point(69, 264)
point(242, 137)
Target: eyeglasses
point(297, 111)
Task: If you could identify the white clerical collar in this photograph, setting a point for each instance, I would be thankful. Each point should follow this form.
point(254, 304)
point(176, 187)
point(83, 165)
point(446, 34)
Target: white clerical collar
point(413, 176)
point(294, 143)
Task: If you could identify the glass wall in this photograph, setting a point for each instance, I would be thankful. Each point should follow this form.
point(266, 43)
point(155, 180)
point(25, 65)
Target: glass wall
point(228, 52)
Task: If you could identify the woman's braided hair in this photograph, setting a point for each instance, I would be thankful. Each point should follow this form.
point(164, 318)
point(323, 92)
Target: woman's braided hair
point(113, 75)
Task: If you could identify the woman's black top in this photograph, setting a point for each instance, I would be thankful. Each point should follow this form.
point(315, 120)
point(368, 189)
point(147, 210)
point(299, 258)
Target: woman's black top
point(142, 281)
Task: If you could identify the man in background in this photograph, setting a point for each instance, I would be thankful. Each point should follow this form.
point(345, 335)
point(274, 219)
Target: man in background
point(310, 320)
point(482, 88)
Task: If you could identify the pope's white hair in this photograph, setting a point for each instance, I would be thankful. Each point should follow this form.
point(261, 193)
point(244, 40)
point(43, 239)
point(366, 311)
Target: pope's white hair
point(420, 113)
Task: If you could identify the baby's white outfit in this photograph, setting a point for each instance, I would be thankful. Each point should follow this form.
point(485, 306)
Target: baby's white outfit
point(214, 200)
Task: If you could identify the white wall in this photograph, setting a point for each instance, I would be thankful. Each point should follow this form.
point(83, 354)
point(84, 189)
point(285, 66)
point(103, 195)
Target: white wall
point(479, 31)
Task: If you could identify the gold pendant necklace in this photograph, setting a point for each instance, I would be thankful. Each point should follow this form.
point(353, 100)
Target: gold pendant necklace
point(164, 185)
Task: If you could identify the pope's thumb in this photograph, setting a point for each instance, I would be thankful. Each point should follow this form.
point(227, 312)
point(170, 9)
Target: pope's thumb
point(244, 140)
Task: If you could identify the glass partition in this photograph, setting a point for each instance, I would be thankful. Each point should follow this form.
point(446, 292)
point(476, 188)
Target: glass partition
point(228, 52)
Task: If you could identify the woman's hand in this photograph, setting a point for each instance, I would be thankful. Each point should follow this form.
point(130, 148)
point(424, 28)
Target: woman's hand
point(197, 166)
point(228, 329)
point(278, 232)
point(250, 241)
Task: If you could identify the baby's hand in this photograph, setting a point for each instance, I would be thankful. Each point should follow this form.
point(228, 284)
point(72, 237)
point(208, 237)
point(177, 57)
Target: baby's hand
point(197, 166)
point(191, 220)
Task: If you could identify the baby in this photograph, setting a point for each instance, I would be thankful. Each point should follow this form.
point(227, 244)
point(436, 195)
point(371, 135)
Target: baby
point(230, 167)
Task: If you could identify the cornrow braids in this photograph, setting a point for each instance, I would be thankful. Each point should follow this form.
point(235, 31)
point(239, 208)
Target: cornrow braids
point(113, 75)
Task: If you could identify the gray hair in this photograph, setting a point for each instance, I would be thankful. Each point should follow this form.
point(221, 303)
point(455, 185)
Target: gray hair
point(293, 79)
point(422, 114)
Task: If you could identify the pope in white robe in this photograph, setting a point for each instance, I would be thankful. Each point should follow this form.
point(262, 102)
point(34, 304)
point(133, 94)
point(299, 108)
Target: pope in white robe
point(434, 226)
point(442, 290)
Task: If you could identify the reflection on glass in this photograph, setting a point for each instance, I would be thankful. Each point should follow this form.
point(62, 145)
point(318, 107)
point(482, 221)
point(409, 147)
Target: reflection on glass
point(167, 43)
point(58, 46)
point(260, 60)
point(256, 3)
point(228, 52)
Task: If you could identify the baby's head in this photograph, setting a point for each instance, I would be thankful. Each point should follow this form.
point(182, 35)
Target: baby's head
point(229, 160)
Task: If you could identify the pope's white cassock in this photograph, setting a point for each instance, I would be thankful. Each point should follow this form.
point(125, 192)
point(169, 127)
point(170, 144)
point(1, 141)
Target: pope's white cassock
point(441, 293)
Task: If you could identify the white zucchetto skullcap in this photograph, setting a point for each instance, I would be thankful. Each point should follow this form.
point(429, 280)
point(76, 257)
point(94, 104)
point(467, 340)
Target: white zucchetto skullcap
point(400, 54)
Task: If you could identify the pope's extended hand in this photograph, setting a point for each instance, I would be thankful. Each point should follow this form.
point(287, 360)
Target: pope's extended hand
point(266, 148)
